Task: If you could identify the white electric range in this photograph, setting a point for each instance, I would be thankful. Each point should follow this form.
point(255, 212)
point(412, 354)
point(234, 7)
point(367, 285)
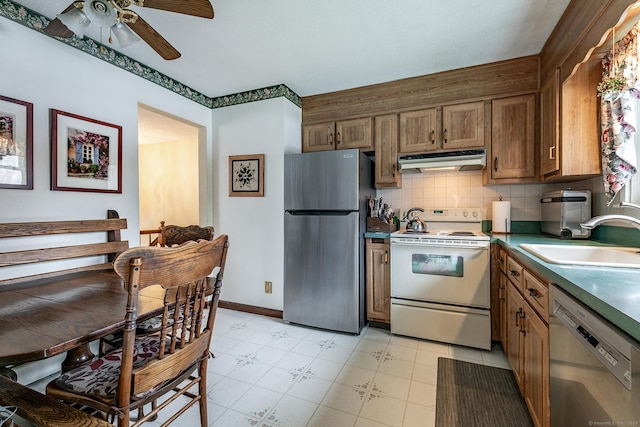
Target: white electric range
point(440, 279)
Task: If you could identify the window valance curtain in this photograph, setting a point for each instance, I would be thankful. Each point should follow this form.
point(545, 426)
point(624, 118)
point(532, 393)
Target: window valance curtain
point(619, 103)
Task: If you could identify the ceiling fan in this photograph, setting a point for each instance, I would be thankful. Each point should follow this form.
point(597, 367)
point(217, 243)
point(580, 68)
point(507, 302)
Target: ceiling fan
point(114, 15)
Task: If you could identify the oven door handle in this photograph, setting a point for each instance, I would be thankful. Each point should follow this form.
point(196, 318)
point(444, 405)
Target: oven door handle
point(425, 247)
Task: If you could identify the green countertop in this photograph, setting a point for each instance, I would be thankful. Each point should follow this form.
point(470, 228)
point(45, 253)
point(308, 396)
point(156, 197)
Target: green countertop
point(376, 235)
point(612, 292)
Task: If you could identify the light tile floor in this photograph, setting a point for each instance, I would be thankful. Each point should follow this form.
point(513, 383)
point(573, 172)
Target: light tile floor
point(269, 373)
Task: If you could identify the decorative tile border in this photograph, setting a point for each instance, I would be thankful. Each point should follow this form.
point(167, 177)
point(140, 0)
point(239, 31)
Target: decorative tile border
point(257, 95)
point(37, 22)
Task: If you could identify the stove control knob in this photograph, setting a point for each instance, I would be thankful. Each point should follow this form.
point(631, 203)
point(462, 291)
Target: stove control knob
point(465, 214)
point(475, 214)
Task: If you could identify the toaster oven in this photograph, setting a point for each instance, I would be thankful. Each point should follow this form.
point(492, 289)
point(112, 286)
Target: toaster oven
point(562, 211)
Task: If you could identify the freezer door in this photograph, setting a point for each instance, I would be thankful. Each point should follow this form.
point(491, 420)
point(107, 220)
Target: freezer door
point(323, 284)
point(325, 180)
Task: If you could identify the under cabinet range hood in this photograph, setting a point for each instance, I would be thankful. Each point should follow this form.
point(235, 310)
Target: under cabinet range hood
point(462, 160)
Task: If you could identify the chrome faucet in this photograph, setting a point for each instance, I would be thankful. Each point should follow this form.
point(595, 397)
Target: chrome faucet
point(597, 220)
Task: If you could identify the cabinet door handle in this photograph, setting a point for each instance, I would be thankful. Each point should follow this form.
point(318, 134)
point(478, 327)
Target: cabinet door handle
point(386, 257)
point(432, 137)
point(533, 293)
point(495, 164)
point(522, 328)
point(338, 142)
point(446, 136)
point(518, 315)
point(552, 152)
point(330, 138)
point(393, 170)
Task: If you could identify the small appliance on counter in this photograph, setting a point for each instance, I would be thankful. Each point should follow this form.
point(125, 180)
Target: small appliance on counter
point(563, 211)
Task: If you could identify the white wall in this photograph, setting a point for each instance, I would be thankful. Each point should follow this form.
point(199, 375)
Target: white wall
point(254, 224)
point(169, 183)
point(49, 74)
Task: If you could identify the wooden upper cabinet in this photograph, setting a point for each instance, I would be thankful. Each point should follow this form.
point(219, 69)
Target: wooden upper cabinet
point(453, 127)
point(570, 125)
point(463, 126)
point(354, 133)
point(420, 131)
point(549, 126)
point(318, 137)
point(386, 152)
point(340, 135)
point(513, 144)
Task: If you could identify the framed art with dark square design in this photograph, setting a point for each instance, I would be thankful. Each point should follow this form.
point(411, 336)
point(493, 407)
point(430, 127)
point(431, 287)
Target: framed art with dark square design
point(86, 154)
point(16, 144)
point(246, 175)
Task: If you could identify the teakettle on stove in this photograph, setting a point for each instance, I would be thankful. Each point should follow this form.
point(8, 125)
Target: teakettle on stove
point(414, 223)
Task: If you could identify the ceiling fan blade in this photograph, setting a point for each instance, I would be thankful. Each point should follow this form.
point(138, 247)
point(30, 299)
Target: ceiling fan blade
point(200, 8)
point(57, 29)
point(154, 39)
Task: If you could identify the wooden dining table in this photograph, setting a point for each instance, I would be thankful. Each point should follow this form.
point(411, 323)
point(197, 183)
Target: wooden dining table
point(50, 316)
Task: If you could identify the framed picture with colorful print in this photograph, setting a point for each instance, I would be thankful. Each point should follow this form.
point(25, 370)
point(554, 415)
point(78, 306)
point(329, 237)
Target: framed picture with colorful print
point(16, 144)
point(86, 154)
point(246, 175)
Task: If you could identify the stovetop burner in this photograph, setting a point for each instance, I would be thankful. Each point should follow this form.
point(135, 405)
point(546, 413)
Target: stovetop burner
point(461, 233)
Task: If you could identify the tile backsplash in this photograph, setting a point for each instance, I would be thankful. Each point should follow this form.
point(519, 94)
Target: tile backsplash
point(465, 189)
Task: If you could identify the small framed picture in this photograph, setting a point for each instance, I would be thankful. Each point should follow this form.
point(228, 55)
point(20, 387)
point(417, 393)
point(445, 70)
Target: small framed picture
point(16, 144)
point(246, 175)
point(86, 154)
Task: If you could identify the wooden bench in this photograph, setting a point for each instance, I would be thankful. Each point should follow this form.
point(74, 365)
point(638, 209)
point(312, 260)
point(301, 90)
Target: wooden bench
point(56, 255)
point(111, 246)
point(42, 410)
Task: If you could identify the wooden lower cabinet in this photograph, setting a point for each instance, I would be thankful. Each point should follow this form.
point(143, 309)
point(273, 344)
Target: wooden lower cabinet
point(378, 280)
point(536, 366)
point(527, 336)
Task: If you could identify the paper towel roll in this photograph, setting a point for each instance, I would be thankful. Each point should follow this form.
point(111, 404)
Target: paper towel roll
point(501, 217)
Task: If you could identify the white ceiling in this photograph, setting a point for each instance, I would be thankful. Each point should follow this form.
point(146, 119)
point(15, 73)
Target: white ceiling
point(319, 46)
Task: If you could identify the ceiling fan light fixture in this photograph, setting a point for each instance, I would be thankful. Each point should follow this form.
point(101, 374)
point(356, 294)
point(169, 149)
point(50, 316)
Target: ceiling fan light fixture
point(124, 35)
point(101, 12)
point(75, 20)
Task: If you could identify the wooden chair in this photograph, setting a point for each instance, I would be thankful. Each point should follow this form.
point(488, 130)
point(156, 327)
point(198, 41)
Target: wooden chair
point(173, 360)
point(171, 235)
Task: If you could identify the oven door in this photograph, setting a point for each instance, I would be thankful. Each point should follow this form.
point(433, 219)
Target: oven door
point(439, 273)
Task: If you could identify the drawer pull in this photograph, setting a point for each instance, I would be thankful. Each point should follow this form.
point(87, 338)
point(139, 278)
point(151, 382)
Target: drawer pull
point(514, 273)
point(534, 293)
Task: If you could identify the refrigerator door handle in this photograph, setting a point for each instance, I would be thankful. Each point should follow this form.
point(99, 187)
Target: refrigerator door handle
point(323, 213)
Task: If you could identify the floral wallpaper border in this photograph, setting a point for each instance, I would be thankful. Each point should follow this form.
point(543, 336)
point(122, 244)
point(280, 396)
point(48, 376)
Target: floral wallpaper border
point(37, 22)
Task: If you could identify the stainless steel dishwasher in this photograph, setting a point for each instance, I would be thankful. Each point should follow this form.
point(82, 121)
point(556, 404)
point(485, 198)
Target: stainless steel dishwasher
point(595, 368)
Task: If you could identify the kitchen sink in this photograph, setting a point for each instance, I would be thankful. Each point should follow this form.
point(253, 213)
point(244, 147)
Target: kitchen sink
point(601, 256)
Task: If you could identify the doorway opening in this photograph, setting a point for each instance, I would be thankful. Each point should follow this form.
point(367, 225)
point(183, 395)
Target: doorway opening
point(169, 170)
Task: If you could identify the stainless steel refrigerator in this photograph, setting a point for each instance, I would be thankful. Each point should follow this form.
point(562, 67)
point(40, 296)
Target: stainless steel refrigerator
point(325, 199)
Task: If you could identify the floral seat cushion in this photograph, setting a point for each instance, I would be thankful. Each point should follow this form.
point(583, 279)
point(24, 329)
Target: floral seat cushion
point(154, 323)
point(100, 378)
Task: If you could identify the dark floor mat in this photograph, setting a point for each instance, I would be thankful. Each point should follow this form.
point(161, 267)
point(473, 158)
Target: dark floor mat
point(475, 395)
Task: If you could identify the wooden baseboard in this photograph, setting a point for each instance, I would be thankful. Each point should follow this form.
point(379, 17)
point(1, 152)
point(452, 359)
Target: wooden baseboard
point(250, 309)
